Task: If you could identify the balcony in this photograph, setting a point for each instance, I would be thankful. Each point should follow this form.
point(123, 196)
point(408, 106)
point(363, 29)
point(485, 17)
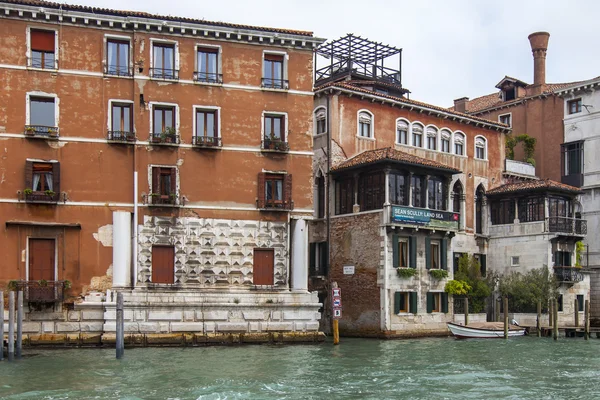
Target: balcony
point(207, 77)
point(41, 291)
point(275, 145)
point(118, 70)
point(157, 199)
point(568, 274)
point(568, 226)
point(209, 142)
point(572, 180)
point(120, 136)
point(166, 138)
point(164, 74)
point(278, 205)
point(41, 131)
point(426, 218)
point(277, 84)
point(47, 197)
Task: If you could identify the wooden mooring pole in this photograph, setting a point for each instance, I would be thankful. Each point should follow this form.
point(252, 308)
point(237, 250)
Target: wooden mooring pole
point(120, 327)
point(576, 313)
point(498, 309)
point(466, 311)
point(586, 323)
point(336, 331)
point(11, 325)
point(1, 325)
point(551, 314)
point(538, 324)
point(19, 349)
point(505, 317)
point(555, 319)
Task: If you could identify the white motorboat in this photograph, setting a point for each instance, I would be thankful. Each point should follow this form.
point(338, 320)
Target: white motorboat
point(484, 330)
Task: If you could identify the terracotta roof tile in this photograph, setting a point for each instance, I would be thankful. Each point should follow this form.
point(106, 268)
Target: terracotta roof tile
point(124, 13)
point(350, 86)
point(393, 155)
point(532, 185)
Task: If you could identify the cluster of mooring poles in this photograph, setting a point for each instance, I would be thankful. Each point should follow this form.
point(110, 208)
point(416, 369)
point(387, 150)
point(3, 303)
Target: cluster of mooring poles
point(12, 352)
point(15, 347)
point(552, 319)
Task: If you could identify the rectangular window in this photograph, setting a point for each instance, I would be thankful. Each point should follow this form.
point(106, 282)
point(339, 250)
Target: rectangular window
point(321, 125)
point(263, 268)
point(437, 194)
point(275, 127)
point(121, 120)
point(562, 259)
point(164, 185)
point(531, 209)
point(574, 106)
point(435, 255)
point(580, 302)
point(206, 123)
point(42, 49)
point(418, 191)
point(417, 139)
point(320, 197)
point(405, 302)
point(117, 57)
point(42, 177)
point(514, 261)
point(344, 195)
point(480, 153)
point(437, 302)
point(431, 142)
point(503, 212)
point(207, 60)
point(274, 191)
point(273, 72)
point(319, 259)
point(572, 163)
point(403, 253)
point(559, 300)
point(371, 191)
point(398, 189)
point(458, 149)
point(163, 120)
point(402, 136)
point(505, 119)
point(163, 264)
point(42, 113)
point(446, 145)
point(559, 207)
point(163, 61)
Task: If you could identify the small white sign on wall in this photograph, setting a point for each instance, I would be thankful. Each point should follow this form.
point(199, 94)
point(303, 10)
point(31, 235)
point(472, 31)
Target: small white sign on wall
point(348, 269)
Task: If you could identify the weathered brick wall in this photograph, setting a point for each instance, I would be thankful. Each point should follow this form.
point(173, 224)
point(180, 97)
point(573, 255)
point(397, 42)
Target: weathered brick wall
point(356, 240)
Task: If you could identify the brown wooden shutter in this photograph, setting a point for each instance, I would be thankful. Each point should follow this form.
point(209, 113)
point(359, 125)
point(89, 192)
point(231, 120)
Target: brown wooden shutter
point(283, 132)
point(155, 180)
point(174, 181)
point(287, 191)
point(261, 190)
point(56, 177)
point(28, 174)
point(42, 40)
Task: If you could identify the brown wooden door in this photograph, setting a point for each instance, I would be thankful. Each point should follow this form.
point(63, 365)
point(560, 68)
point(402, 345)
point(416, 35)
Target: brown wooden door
point(264, 266)
point(41, 259)
point(163, 264)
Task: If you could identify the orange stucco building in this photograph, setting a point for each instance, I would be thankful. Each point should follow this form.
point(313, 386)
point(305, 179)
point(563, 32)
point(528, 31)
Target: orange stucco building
point(145, 153)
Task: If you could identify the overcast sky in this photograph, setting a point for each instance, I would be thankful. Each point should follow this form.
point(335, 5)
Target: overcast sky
point(451, 48)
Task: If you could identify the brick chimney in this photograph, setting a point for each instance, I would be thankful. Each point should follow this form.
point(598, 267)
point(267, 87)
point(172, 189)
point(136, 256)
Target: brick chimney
point(539, 46)
point(460, 105)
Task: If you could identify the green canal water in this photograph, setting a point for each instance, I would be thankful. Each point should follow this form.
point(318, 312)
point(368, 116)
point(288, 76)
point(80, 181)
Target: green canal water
point(444, 368)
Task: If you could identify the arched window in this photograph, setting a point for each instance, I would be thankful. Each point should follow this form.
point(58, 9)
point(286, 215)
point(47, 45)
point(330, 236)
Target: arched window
point(459, 143)
point(457, 193)
point(480, 148)
point(432, 134)
point(479, 197)
point(417, 135)
point(445, 143)
point(402, 131)
point(320, 120)
point(365, 124)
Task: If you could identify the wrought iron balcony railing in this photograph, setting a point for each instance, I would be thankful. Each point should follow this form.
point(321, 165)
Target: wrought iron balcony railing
point(121, 136)
point(275, 145)
point(42, 291)
point(118, 70)
point(164, 138)
point(571, 226)
point(568, 274)
point(41, 197)
point(41, 131)
point(271, 83)
point(164, 73)
point(206, 141)
point(156, 199)
point(208, 77)
point(277, 205)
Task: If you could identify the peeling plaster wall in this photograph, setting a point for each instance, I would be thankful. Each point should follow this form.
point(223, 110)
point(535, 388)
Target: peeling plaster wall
point(104, 235)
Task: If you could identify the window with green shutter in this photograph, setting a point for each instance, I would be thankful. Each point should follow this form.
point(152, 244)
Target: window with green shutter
point(395, 252)
point(483, 261)
point(580, 302)
point(413, 302)
point(444, 300)
point(430, 302)
point(437, 302)
point(444, 254)
point(412, 248)
point(428, 252)
point(401, 302)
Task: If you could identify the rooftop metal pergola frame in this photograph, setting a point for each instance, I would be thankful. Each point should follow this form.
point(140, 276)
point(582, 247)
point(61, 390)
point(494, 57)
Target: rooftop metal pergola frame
point(355, 55)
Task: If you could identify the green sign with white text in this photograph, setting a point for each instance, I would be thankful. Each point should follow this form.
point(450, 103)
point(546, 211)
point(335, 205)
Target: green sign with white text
point(424, 217)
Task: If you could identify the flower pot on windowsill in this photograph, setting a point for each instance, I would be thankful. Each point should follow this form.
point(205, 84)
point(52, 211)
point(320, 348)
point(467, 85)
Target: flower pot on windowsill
point(406, 273)
point(438, 273)
point(53, 132)
point(30, 131)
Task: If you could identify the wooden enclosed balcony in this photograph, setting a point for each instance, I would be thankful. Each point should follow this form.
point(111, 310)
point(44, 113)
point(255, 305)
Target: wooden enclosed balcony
point(568, 226)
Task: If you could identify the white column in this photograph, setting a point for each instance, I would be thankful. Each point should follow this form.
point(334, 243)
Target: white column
point(463, 212)
point(121, 249)
point(299, 255)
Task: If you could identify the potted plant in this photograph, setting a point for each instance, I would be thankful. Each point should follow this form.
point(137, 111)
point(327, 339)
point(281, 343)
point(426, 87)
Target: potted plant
point(13, 285)
point(50, 193)
point(169, 135)
point(43, 282)
point(173, 198)
point(438, 273)
point(30, 130)
point(27, 191)
point(53, 132)
point(406, 272)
